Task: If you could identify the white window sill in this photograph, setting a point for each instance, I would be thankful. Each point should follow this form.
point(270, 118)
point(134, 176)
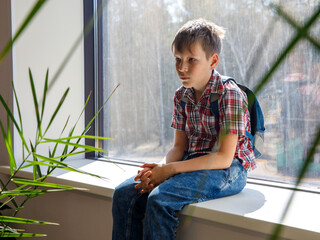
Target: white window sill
point(256, 208)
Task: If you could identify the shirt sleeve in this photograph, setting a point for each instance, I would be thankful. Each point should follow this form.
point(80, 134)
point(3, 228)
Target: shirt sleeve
point(179, 116)
point(232, 112)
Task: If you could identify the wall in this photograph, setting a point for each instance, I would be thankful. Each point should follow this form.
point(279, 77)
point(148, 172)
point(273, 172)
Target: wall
point(84, 216)
point(44, 45)
point(81, 216)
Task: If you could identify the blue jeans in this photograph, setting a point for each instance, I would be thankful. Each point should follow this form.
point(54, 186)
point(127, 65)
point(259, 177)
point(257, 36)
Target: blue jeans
point(152, 216)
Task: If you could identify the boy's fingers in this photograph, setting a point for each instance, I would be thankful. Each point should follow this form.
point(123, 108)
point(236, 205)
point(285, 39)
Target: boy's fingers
point(138, 176)
point(145, 176)
point(145, 183)
point(143, 191)
point(148, 165)
point(150, 188)
point(140, 173)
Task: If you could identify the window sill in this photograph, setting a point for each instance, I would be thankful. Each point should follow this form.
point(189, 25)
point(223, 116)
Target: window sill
point(257, 208)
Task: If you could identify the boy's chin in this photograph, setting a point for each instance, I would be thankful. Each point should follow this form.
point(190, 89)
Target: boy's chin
point(186, 84)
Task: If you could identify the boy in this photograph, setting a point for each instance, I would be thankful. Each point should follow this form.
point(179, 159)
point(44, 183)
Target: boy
point(193, 171)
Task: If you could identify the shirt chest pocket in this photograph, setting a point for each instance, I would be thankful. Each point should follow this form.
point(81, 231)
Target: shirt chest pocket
point(209, 121)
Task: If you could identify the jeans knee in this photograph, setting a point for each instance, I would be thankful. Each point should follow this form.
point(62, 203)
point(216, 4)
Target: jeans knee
point(123, 193)
point(118, 192)
point(117, 200)
point(154, 198)
point(158, 202)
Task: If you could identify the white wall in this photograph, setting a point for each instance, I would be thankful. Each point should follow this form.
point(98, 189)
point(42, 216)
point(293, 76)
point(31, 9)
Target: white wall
point(84, 216)
point(45, 44)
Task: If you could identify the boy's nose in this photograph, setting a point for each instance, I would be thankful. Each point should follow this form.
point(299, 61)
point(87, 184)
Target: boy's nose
point(183, 67)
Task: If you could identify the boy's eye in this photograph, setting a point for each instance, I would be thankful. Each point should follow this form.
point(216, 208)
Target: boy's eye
point(192, 59)
point(178, 59)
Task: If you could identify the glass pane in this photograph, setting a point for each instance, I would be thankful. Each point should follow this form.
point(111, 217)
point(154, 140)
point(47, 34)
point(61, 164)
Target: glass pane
point(137, 36)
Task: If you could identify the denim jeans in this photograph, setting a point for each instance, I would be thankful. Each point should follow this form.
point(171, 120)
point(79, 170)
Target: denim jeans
point(152, 216)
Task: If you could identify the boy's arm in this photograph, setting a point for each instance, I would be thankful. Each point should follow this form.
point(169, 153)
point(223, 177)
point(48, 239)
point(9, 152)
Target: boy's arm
point(220, 160)
point(176, 153)
point(180, 147)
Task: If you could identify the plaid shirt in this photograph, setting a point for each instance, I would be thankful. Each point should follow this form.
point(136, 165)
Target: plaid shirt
point(200, 125)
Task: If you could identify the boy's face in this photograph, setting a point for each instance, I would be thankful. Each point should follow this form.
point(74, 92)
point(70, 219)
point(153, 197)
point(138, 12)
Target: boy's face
point(193, 67)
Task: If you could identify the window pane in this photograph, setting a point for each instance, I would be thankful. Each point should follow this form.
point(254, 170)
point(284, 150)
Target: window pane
point(137, 36)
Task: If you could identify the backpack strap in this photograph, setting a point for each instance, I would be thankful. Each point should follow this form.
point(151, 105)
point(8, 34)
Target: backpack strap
point(214, 97)
point(183, 99)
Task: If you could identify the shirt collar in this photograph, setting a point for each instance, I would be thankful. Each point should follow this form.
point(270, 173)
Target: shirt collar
point(214, 86)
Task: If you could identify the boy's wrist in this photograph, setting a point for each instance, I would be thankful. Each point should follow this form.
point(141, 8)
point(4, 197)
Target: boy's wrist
point(172, 168)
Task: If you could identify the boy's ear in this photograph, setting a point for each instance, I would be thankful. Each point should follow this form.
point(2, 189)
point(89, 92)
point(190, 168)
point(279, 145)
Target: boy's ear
point(214, 61)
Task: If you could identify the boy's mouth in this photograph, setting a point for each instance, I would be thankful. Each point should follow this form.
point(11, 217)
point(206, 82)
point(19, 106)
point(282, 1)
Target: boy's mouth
point(183, 78)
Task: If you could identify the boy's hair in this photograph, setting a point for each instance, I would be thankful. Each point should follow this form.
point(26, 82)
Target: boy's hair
point(200, 30)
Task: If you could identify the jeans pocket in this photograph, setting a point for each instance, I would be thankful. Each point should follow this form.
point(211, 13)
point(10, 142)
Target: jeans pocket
point(236, 170)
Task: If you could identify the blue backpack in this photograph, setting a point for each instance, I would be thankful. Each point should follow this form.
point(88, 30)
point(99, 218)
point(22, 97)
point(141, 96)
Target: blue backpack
point(256, 135)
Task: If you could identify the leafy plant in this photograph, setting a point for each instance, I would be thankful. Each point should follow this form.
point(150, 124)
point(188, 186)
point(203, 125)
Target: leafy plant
point(42, 165)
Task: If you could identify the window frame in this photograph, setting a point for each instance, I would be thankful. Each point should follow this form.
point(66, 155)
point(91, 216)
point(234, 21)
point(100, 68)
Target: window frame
point(93, 68)
point(93, 73)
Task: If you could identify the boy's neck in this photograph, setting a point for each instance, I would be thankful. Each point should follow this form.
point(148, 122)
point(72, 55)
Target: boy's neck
point(199, 92)
point(197, 95)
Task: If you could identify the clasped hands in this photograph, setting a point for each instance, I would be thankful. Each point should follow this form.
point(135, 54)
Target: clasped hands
point(151, 175)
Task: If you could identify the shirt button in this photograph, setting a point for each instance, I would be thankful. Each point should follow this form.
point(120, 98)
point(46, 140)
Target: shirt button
point(193, 144)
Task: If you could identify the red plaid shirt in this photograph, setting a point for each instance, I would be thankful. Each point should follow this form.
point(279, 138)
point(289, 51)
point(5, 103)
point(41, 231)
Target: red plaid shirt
point(200, 125)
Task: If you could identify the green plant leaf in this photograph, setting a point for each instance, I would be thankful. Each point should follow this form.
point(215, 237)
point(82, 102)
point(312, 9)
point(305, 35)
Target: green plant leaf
point(19, 112)
point(44, 97)
point(74, 127)
point(97, 113)
point(83, 109)
point(12, 160)
point(5, 105)
point(65, 166)
point(63, 156)
point(301, 33)
point(9, 234)
point(294, 24)
point(57, 109)
point(4, 187)
point(8, 200)
point(32, 192)
point(35, 102)
point(47, 140)
point(8, 143)
point(84, 136)
point(25, 23)
point(24, 220)
point(36, 168)
point(65, 125)
point(31, 163)
point(71, 154)
point(4, 205)
point(45, 184)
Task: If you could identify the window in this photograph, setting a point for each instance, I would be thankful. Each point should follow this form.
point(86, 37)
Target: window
point(136, 40)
